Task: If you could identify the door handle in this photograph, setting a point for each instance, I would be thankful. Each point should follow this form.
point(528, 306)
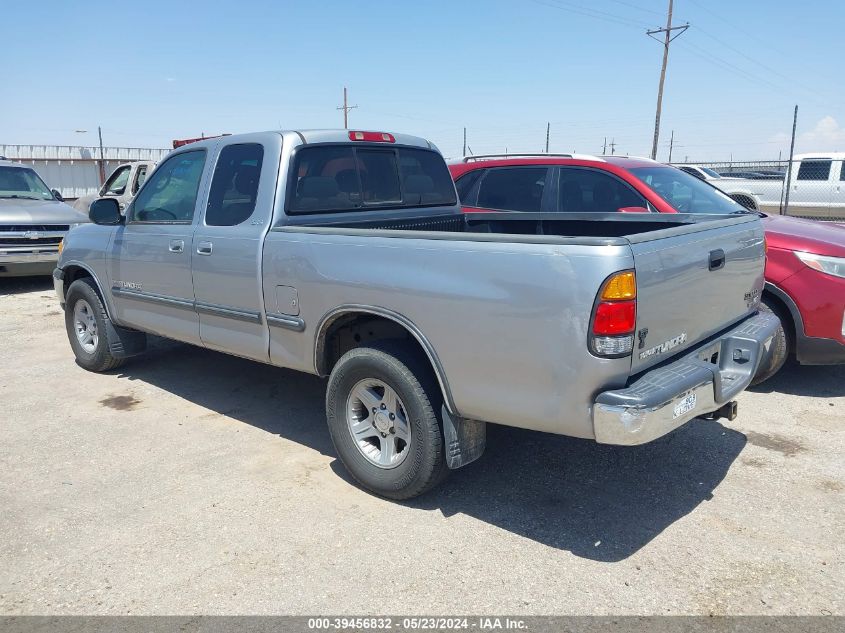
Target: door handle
point(717, 259)
point(204, 248)
point(177, 246)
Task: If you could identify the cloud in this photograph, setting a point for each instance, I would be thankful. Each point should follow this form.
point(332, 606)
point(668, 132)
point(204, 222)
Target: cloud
point(170, 79)
point(827, 135)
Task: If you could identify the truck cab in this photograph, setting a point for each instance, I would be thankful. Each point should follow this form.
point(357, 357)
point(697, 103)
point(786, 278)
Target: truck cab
point(123, 183)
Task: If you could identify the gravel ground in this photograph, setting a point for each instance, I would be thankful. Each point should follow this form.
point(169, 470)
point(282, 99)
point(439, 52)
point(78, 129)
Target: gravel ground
point(192, 482)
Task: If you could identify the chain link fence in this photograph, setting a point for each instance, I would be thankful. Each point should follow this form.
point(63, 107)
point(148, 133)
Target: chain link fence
point(814, 186)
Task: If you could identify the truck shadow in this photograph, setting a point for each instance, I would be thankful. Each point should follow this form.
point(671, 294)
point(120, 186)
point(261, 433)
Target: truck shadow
point(20, 285)
point(820, 381)
point(599, 502)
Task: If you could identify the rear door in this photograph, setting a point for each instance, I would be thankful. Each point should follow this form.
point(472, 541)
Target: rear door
point(693, 281)
point(227, 245)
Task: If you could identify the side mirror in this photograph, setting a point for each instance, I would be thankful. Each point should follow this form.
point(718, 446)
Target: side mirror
point(634, 210)
point(57, 195)
point(105, 211)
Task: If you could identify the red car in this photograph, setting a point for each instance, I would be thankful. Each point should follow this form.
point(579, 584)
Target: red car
point(805, 270)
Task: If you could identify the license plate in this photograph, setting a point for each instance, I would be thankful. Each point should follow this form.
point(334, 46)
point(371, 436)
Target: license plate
point(685, 405)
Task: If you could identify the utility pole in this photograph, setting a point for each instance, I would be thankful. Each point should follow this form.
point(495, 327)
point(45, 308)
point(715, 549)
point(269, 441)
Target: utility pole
point(612, 147)
point(102, 158)
point(785, 209)
point(671, 143)
point(465, 143)
point(346, 108)
point(548, 128)
point(604, 147)
point(667, 39)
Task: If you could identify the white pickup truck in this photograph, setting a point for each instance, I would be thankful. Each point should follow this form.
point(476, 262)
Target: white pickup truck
point(816, 185)
point(123, 183)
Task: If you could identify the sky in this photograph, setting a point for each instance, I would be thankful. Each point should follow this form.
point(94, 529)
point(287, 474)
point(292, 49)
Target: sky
point(148, 72)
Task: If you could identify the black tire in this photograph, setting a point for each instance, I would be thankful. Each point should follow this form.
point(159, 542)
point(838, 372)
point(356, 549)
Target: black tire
point(400, 367)
point(775, 358)
point(100, 359)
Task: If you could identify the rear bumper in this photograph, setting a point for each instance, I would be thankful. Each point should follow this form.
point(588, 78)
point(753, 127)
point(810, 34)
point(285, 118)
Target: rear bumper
point(665, 398)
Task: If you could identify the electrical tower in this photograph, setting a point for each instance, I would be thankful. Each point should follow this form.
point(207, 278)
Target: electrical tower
point(667, 39)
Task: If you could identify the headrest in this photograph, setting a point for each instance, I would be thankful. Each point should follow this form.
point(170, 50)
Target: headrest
point(246, 180)
point(319, 187)
point(419, 183)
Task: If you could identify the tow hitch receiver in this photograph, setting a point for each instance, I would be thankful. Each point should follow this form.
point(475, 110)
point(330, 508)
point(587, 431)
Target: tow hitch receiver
point(727, 410)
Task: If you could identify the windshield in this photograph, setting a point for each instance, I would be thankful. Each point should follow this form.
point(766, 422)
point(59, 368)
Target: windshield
point(686, 194)
point(17, 182)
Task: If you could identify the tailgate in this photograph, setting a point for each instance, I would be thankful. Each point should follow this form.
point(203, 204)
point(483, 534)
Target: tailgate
point(694, 281)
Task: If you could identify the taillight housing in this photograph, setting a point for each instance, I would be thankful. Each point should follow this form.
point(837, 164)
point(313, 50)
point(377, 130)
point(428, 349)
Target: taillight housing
point(614, 318)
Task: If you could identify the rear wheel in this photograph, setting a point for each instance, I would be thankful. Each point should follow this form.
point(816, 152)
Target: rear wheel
point(85, 321)
point(382, 407)
point(778, 352)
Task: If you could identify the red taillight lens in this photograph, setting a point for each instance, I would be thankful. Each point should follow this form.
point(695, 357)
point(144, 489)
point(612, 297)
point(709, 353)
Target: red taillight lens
point(372, 137)
point(614, 318)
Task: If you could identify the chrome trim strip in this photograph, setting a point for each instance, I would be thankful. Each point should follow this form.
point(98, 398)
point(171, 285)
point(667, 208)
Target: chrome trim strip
point(152, 298)
point(231, 313)
point(198, 306)
point(286, 321)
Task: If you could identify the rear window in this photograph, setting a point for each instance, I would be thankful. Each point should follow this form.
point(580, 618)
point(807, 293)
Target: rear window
point(343, 178)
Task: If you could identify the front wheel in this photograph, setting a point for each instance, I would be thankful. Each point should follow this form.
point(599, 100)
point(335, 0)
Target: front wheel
point(382, 409)
point(85, 321)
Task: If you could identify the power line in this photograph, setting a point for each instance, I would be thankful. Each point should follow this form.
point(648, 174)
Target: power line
point(590, 13)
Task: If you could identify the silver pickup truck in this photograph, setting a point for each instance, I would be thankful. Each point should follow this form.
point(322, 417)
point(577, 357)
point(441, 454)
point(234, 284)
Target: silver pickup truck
point(345, 254)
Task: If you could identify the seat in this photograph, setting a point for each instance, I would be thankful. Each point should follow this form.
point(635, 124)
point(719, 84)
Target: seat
point(320, 192)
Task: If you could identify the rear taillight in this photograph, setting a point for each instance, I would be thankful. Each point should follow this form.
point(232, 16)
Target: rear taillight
point(615, 316)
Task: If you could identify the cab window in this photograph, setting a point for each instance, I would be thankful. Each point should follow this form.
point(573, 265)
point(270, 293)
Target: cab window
point(234, 188)
point(814, 170)
point(170, 196)
point(140, 177)
point(116, 184)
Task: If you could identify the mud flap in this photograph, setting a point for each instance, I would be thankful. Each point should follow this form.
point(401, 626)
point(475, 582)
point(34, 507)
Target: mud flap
point(465, 439)
point(124, 343)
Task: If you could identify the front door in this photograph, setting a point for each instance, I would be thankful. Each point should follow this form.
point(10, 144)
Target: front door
point(226, 251)
point(150, 266)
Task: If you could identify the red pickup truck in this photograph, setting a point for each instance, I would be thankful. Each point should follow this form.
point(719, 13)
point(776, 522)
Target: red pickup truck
point(805, 269)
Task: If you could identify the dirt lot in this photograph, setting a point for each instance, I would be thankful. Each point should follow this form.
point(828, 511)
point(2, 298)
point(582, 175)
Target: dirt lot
point(192, 482)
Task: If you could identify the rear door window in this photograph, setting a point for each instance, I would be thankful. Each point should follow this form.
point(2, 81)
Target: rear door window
point(814, 170)
point(234, 188)
point(343, 177)
point(513, 189)
point(592, 191)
